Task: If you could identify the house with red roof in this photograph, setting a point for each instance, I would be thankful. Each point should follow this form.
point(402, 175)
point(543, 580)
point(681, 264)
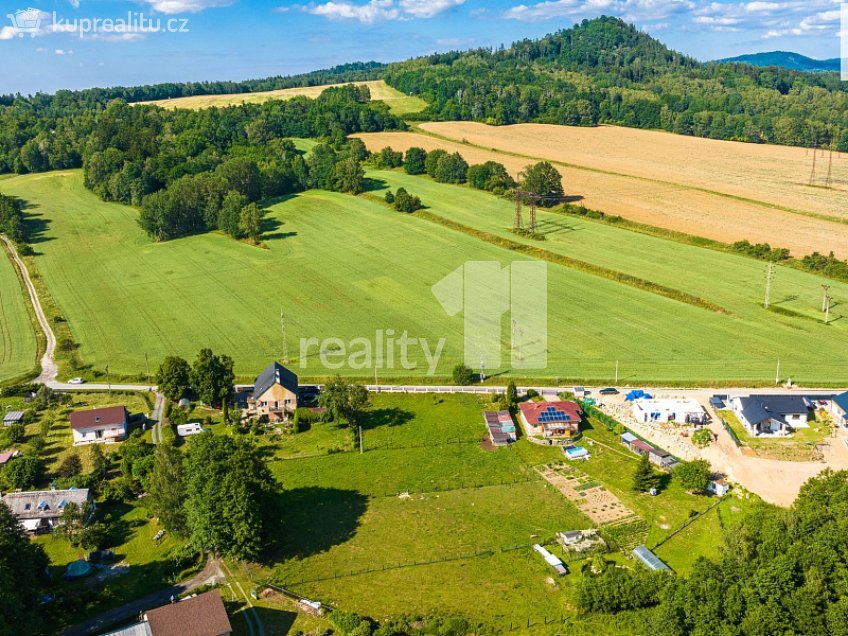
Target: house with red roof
point(99, 426)
point(551, 419)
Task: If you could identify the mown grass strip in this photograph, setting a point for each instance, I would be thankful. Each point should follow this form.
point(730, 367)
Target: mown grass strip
point(573, 263)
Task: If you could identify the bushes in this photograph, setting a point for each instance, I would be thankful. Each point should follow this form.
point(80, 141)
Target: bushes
point(762, 251)
point(451, 169)
point(405, 202)
point(491, 176)
point(617, 589)
point(414, 163)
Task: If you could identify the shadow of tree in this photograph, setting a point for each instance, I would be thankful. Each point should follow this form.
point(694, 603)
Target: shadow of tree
point(370, 184)
point(388, 417)
point(316, 519)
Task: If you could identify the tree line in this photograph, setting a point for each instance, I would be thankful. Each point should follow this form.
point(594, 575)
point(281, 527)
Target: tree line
point(541, 178)
point(606, 71)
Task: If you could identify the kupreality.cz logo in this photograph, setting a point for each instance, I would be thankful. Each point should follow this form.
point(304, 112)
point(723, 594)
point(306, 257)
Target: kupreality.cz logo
point(132, 25)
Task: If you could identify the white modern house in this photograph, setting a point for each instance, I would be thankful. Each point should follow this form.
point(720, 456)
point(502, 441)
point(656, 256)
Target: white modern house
point(663, 410)
point(107, 425)
point(839, 409)
point(771, 414)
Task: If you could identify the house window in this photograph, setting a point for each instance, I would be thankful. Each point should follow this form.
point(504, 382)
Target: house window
point(98, 434)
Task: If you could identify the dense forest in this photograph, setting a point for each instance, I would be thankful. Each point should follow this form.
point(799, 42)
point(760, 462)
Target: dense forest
point(606, 71)
point(65, 101)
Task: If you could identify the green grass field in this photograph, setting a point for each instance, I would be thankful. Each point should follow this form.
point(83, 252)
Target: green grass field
point(447, 528)
point(346, 267)
point(17, 338)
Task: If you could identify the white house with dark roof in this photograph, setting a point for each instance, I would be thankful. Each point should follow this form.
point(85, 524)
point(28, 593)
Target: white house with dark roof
point(41, 510)
point(771, 414)
point(99, 425)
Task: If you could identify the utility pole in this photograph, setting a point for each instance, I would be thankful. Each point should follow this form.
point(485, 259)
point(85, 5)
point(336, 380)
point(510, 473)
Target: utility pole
point(777, 374)
point(769, 279)
point(825, 298)
point(813, 173)
point(482, 367)
point(827, 310)
point(285, 344)
point(616, 371)
point(108, 382)
point(827, 182)
point(147, 363)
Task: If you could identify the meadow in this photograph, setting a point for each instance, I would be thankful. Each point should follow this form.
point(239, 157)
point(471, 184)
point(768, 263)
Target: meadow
point(399, 103)
point(759, 192)
point(439, 524)
point(17, 338)
point(347, 267)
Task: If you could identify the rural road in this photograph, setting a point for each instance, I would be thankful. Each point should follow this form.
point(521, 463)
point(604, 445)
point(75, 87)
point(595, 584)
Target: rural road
point(156, 416)
point(49, 370)
point(212, 573)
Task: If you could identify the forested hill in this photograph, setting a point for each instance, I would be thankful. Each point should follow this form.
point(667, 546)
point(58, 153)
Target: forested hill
point(606, 71)
point(68, 102)
point(785, 59)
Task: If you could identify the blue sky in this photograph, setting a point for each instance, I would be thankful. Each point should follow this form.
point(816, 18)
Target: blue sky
point(238, 39)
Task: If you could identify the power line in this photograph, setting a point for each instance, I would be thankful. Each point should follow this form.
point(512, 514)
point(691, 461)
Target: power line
point(769, 279)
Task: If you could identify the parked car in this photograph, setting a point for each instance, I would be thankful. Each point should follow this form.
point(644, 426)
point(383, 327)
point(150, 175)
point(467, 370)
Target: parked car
point(609, 391)
point(76, 381)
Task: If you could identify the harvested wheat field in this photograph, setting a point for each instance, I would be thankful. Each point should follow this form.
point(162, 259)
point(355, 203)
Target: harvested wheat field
point(399, 103)
point(658, 187)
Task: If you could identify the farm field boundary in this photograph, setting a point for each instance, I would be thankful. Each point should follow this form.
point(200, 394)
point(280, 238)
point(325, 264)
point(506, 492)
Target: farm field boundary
point(675, 184)
point(583, 266)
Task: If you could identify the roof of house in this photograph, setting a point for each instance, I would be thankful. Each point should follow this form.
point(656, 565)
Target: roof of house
point(275, 373)
point(540, 413)
point(43, 503)
point(841, 400)
point(201, 615)
point(659, 452)
point(13, 416)
point(627, 438)
point(759, 408)
point(95, 418)
point(5, 456)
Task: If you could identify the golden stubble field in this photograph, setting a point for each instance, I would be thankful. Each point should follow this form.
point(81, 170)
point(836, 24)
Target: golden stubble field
point(399, 103)
point(725, 191)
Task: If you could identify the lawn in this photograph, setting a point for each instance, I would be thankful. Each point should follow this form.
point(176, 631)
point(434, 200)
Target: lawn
point(447, 528)
point(326, 268)
point(17, 338)
point(799, 447)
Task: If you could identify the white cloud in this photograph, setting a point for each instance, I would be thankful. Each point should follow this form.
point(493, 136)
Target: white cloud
point(374, 11)
point(63, 52)
point(633, 10)
point(187, 6)
point(379, 10)
point(428, 8)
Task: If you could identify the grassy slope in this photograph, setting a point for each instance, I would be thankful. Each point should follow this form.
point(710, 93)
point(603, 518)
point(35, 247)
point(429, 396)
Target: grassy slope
point(733, 282)
point(346, 267)
point(17, 339)
point(399, 103)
